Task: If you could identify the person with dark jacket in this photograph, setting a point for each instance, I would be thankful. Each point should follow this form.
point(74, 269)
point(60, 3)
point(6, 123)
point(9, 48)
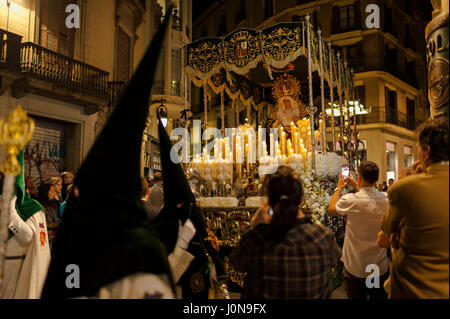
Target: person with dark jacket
point(285, 255)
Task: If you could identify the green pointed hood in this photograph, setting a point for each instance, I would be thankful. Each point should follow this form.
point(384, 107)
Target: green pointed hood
point(25, 205)
point(104, 231)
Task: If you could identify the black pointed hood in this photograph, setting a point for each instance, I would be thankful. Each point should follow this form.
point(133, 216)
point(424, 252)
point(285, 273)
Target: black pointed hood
point(103, 231)
point(175, 184)
point(177, 191)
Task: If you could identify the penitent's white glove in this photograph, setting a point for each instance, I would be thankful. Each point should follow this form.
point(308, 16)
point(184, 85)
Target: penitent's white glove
point(185, 234)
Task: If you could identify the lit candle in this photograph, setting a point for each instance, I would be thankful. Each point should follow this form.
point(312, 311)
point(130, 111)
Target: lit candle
point(296, 143)
point(264, 149)
point(308, 141)
point(317, 139)
point(283, 142)
point(250, 148)
point(272, 145)
point(259, 142)
point(292, 132)
point(289, 148)
point(321, 127)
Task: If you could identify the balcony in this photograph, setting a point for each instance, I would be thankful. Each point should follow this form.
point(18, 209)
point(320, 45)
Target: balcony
point(158, 87)
point(29, 68)
point(380, 115)
point(44, 63)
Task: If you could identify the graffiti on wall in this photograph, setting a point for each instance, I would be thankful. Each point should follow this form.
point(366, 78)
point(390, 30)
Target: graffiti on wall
point(44, 160)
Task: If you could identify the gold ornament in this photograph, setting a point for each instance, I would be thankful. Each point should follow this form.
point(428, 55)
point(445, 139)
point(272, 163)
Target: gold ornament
point(16, 131)
point(286, 85)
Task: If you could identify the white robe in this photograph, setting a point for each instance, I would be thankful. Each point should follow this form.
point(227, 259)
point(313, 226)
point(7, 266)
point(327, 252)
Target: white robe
point(147, 285)
point(24, 278)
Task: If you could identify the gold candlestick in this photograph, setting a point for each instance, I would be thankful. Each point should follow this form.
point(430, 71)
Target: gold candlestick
point(15, 132)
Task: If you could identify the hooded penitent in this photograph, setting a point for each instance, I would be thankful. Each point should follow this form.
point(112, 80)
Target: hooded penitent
point(25, 205)
point(179, 204)
point(104, 231)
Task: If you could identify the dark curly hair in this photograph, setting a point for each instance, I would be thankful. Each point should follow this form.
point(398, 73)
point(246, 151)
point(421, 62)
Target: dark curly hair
point(434, 133)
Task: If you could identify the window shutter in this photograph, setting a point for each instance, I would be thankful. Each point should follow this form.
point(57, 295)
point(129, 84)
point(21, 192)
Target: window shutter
point(335, 19)
point(386, 98)
point(123, 55)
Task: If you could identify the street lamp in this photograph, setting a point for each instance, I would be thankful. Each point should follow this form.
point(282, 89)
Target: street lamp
point(162, 110)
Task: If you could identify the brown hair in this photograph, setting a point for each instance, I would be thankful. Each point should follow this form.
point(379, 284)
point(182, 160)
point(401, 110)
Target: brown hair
point(285, 192)
point(369, 171)
point(434, 133)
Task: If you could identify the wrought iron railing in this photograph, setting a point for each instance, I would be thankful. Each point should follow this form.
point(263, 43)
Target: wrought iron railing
point(158, 87)
point(380, 115)
point(54, 66)
point(115, 90)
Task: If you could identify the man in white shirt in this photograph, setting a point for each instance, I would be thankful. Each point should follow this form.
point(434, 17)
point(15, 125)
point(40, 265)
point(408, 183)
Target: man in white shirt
point(361, 254)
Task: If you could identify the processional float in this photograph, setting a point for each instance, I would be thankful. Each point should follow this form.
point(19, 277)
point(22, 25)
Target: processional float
point(290, 58)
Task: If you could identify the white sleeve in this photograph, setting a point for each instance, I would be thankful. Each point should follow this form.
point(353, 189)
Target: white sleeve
point(21, 230)
point(346, 204)
point(179, 261)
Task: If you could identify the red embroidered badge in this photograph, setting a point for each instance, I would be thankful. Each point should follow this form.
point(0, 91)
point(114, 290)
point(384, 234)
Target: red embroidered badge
point(42, 235)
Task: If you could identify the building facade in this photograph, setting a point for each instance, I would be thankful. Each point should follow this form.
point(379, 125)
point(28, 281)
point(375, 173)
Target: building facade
point(68, 79)
point(389, 63)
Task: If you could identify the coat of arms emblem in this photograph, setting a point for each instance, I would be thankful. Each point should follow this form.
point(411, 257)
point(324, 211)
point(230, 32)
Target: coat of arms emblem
point(241, 44)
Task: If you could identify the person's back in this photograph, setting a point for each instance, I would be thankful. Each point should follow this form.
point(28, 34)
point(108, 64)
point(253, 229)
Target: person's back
point(364, 210)
point(423, 256)
point(285, 255)
point(419, 213)
point(297, 267)
point(363, 224)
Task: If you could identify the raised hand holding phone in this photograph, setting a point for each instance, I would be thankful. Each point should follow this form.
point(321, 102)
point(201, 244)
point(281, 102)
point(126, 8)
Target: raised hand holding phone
point(345, 171)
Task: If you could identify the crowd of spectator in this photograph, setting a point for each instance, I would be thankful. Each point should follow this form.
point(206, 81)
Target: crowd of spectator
point(396, 239)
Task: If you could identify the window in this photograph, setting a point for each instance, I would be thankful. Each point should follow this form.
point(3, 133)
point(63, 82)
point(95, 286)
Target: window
point(410, 114)
point(158, 83)
point(175, 72)
point(123, 55)
point(391, 60)
point(346, 18)
point(177, 15)
point(391, 105)
point(408, 157)
point(389, 26)
point(360, 94)
point(268, 8)
point(160, 11)
point(391, 158)
point(54, 34)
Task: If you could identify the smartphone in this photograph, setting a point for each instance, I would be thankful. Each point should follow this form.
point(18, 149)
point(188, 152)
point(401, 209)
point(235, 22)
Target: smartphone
point(345, 171)
point(270, 211)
